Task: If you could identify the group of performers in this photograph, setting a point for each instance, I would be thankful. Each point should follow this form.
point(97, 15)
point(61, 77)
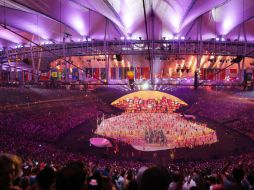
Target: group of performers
point(150, 105)
point(160, 129)
point(155, 136)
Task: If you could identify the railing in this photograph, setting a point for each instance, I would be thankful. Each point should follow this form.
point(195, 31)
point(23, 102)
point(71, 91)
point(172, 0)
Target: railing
point(134, 47)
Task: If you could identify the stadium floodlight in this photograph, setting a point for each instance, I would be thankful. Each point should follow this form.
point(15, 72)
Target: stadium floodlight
point(18, 46)
point(145, 86)
point(122, 38)
point(156, 80)
point(182, 38)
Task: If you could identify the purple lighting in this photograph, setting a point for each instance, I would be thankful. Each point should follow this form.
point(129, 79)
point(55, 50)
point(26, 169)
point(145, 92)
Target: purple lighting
point(78, 24)
point(170, 17)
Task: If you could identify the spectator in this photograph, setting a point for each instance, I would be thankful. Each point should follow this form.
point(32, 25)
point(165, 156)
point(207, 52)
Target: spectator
point(9, 170)
point(71, 177)
point(155, 178)
point(45, 178)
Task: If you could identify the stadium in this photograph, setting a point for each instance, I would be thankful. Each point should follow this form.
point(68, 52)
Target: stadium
point(126, 95)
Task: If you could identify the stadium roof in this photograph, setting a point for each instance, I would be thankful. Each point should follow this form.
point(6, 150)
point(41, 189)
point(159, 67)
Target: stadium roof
point(47, 21)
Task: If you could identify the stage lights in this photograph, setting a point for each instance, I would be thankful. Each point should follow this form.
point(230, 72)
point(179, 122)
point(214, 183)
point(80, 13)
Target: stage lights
point(145, 86)
point(220, 39)
point(47, 42)
point(86, 39)
point(19, 46)
point(173, 38)
point(127, 38)
point(179, 38)
point(169, 38)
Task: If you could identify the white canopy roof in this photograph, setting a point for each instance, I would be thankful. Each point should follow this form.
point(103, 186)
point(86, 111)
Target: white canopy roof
point(50, 20)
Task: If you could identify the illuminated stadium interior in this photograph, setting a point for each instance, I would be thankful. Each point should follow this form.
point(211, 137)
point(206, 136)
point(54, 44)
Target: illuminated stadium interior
point(127, 94)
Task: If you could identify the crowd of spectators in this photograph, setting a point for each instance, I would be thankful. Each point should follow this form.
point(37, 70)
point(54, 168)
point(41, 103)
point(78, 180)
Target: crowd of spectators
point(244, 124)
point(47, 123)
point(16, 174)
point(14, 96)
point(42, 166)
point(235, 111)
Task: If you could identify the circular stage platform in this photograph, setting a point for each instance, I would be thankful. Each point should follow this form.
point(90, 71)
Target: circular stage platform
point(156, 131)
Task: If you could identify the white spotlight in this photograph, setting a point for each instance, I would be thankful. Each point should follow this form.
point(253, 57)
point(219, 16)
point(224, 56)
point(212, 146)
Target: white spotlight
point(145, 86)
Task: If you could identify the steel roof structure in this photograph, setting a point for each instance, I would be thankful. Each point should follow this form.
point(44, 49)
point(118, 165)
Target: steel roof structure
point(50, 29)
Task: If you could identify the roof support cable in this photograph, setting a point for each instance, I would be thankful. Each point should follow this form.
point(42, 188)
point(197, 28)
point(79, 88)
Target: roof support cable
point(47, 50)
point(148, 44)
point(105, 51)
point(4, 14)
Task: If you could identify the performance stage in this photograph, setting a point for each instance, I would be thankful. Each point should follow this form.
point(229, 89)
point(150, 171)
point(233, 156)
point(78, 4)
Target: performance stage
point(156, 131)
point(149, 123)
